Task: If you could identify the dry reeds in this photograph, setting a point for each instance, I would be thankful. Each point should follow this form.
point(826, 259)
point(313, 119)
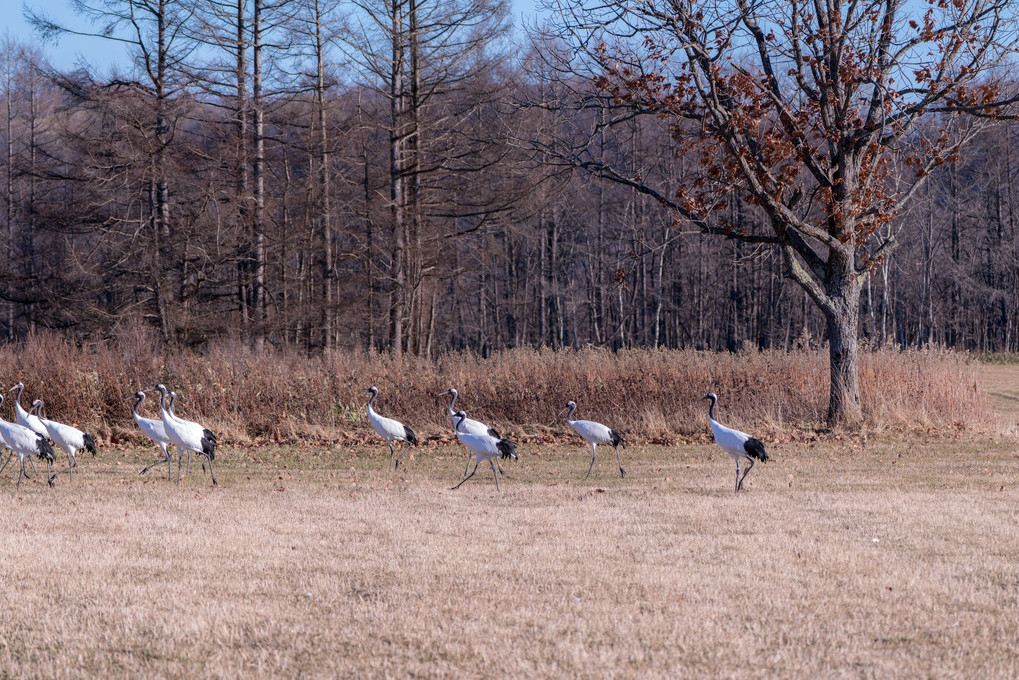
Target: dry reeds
point(649, 395)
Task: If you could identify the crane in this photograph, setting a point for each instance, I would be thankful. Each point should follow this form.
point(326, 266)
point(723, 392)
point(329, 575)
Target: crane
point(187, 435)
point(595, 433)
point(483, 447)
point(27, 443)
point(390, 430)
point(67, 437)
point(156, 431)
point(737, 444)
point(468, 425)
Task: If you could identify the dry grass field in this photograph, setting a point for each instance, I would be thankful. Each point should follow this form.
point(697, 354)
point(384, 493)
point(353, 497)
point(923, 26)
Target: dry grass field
point(842, 559)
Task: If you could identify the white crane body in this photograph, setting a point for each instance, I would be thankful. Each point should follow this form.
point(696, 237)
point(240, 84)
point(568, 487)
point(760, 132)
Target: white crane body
point(484, 447)
point(739, 445)
point(595, 433)
point(70, 439)
point(26, 444)
point(390, 430)
point(187, 435)
point(468, 425)
point(156, 431)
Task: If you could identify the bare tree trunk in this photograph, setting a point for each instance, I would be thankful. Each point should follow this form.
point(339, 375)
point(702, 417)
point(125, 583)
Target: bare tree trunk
point(842, 318)
point(241, 160)
point(396, 188)
point(328, 266)
point(258, 175)
point(9, 96)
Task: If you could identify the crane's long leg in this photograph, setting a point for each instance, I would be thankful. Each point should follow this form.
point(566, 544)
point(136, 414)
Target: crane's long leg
point(467, 467)
point(592, 462)
point(71, 464)
point(167, 460)
point(214, 482)
point(189, 462)
point(398, 458)
point(467, 477)
point(21, 473)
point(35, 472)
point(10, 454)
point(49, 471)
point(622, 472)
point(391, 453)
point(737, 474)
point(745, 473)
point(180, 460)
point(495, 474)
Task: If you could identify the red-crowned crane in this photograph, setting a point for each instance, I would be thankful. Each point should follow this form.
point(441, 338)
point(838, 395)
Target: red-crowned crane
point(594, 433)
point(468, 425)
point(483, 447)
point(156, 431)
point(390, 430)
point(68, 438)
point(187, 435)
point(23, 417)
point(27, 443)
point(737, 444)
point(170, 399)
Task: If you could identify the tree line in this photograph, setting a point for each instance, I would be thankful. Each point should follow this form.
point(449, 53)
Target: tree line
point(416, 176)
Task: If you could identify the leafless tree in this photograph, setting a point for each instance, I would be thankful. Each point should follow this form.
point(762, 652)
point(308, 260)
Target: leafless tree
point(802, 109)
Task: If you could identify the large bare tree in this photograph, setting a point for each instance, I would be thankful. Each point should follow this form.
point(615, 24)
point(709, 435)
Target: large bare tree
point(812, 112)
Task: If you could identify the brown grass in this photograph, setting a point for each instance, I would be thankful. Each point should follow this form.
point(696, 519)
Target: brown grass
point(650, 396)
point(899, 559)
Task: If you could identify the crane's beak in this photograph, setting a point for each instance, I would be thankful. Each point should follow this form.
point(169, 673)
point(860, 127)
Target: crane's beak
point(562, 412)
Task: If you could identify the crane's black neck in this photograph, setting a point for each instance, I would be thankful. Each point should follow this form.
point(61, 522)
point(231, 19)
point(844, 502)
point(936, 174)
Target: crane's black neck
point(452, 400)
point(138, 402)
point(162, 399)
point(460, 418)
point(569, 416)
point(372, 398)
point(711, 411)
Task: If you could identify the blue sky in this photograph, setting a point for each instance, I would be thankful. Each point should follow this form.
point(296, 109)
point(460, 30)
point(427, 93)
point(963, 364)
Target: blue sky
point(102, 53)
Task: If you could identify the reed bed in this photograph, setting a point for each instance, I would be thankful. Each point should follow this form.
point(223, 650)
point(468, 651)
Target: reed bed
point(652, 396)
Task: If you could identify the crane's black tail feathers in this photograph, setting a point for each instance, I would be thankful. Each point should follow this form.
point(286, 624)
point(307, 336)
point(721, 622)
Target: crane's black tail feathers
point(208, 444)
point(90, 444)
point(492, 432)
point(45, 450)
point(507, 448)
point(617, 439)
point(410, 436)
point(755, 449)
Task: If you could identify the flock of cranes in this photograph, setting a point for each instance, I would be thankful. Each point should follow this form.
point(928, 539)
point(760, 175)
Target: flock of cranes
point(485, 444)
point(31, 435)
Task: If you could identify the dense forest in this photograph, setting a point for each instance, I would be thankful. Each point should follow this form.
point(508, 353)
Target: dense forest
point(387, 174)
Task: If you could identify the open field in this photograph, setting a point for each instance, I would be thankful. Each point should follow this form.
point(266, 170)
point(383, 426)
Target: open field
point(1000, 382)
point(841, 560)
